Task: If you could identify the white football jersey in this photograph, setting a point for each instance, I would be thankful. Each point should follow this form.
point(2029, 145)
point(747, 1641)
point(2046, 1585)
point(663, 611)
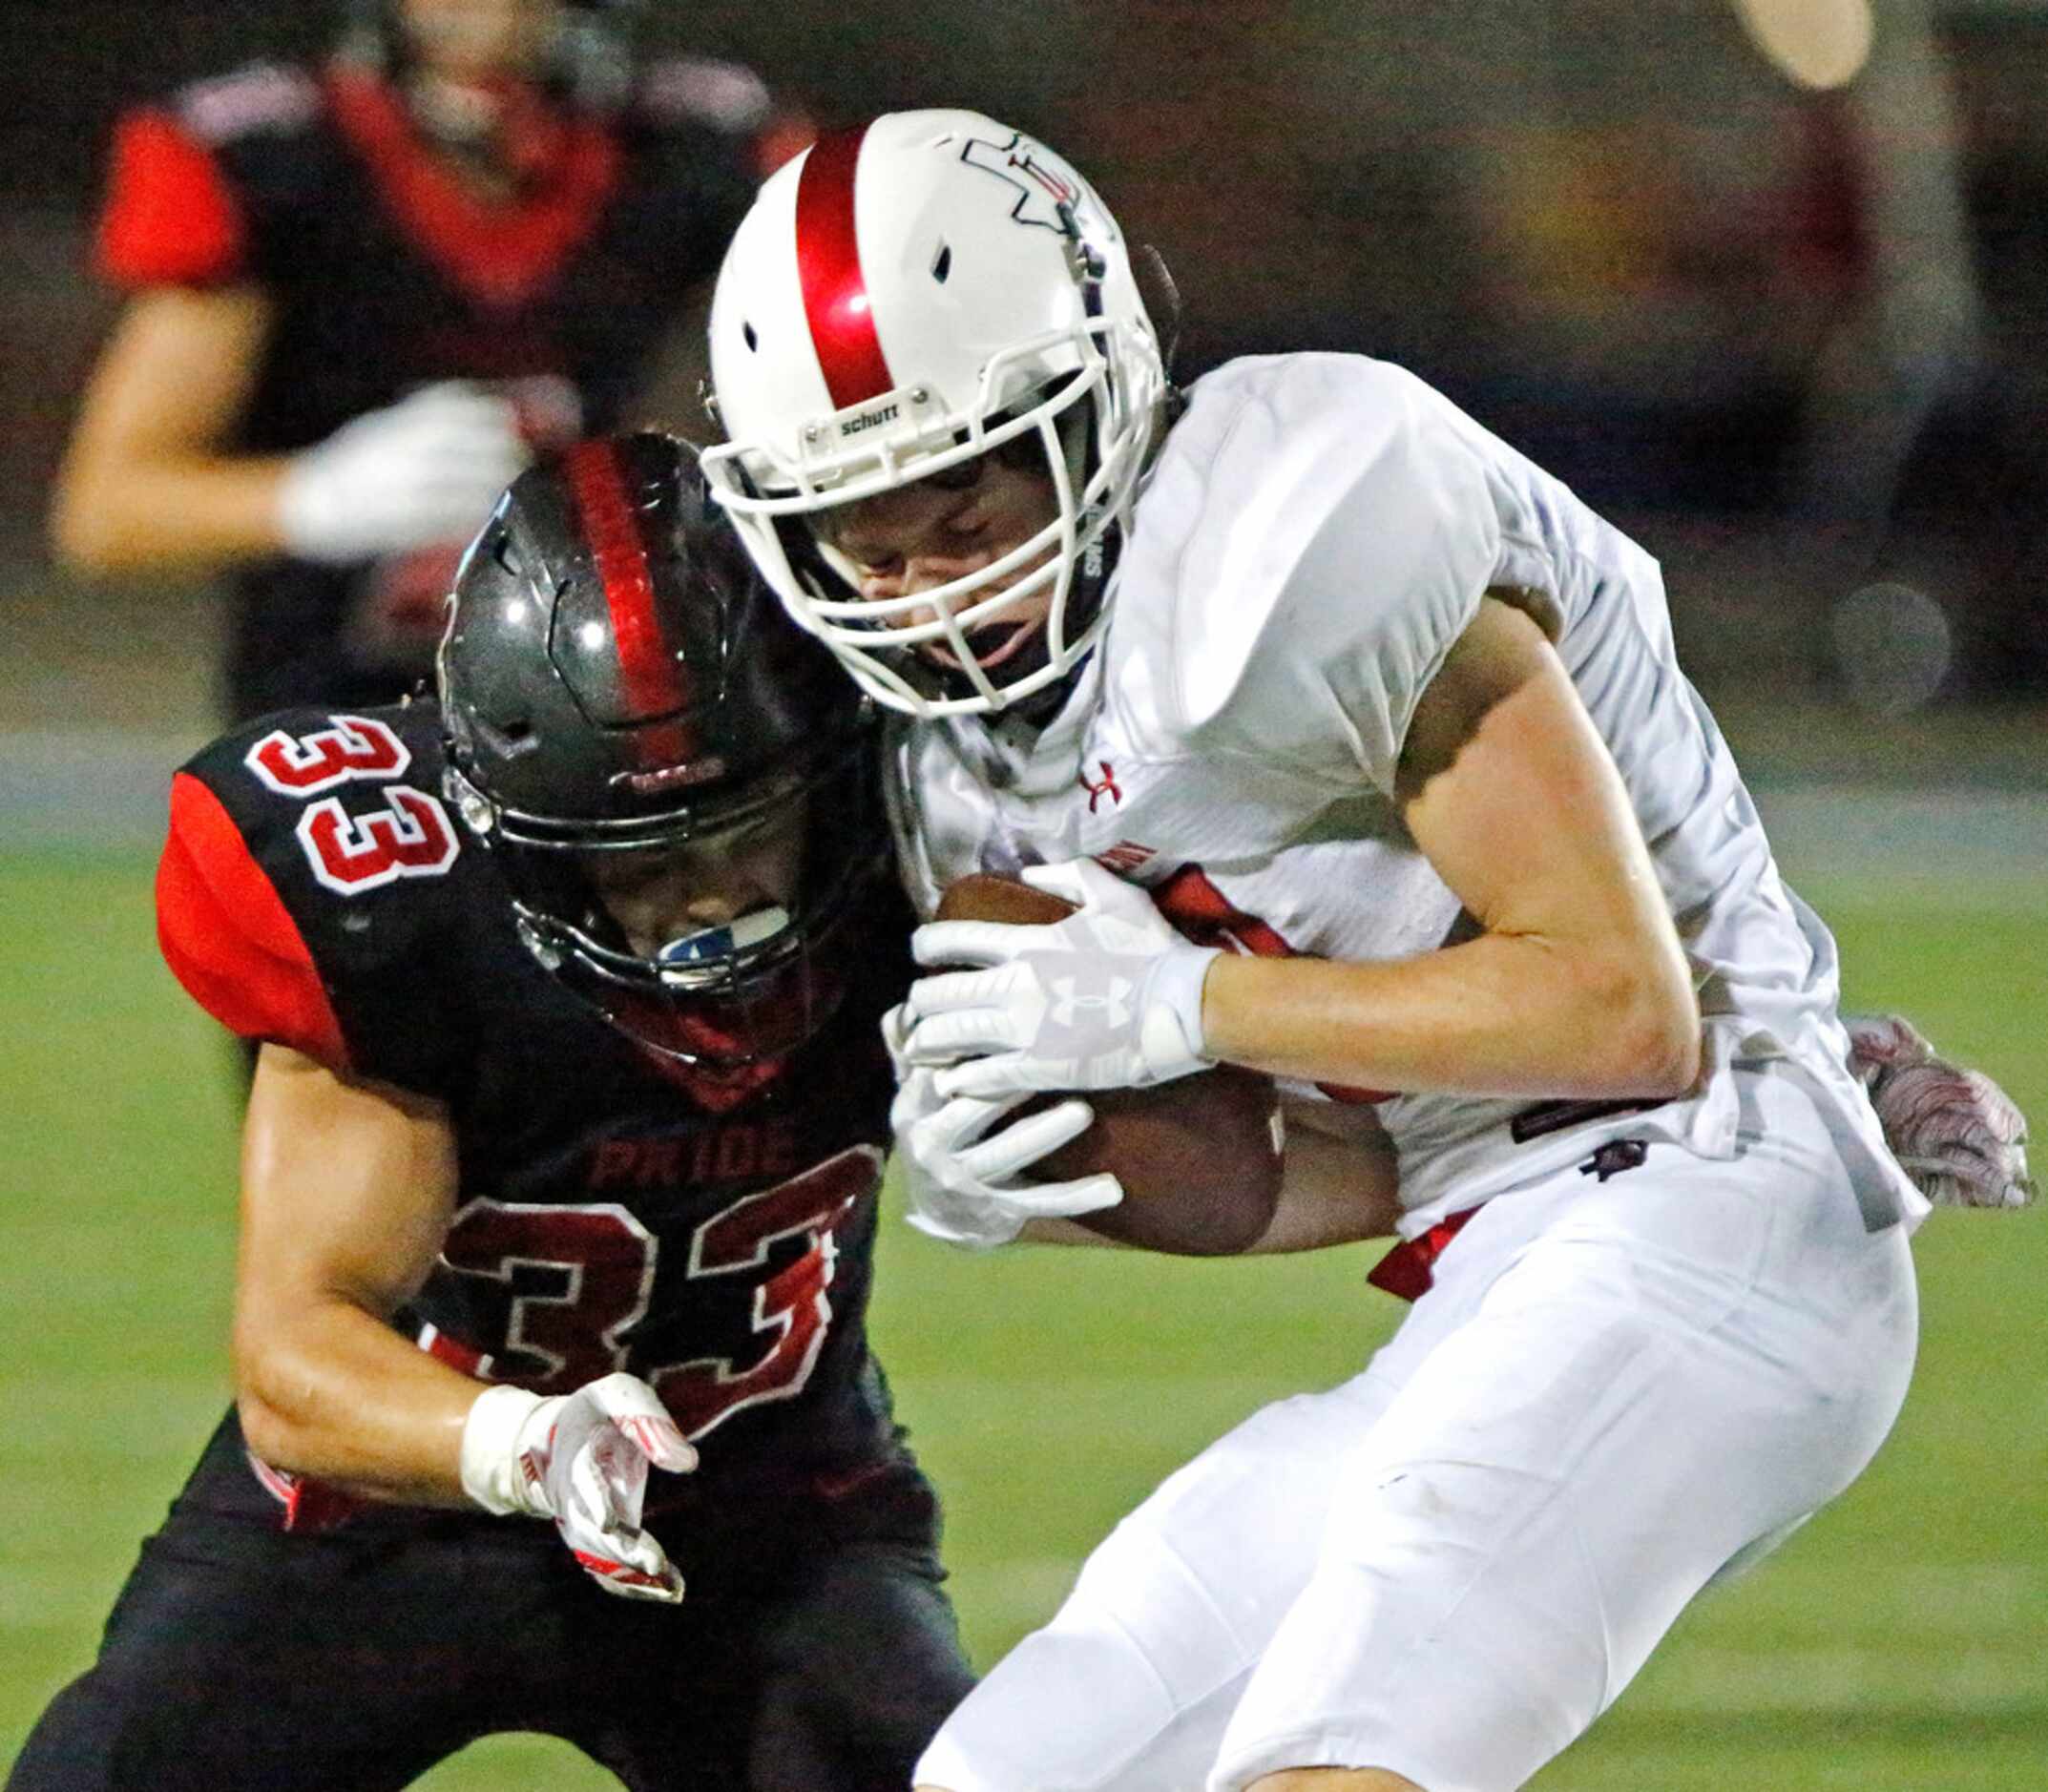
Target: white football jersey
point(1317, 532)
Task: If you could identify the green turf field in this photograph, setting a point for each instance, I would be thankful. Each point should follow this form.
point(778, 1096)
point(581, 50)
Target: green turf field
point(1901, 1642)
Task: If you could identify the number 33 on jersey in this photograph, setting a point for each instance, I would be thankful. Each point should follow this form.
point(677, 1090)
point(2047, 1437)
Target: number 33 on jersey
point(707, 1230)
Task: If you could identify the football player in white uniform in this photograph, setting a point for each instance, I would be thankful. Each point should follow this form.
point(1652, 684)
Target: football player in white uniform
point(1362, 747)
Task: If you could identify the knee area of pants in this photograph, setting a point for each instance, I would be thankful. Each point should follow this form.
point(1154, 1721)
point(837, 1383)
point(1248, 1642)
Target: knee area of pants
point(1111, 1702)
point(1435, 1509)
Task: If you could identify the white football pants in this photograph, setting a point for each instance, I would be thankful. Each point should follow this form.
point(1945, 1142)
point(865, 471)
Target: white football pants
point(1452, 1564)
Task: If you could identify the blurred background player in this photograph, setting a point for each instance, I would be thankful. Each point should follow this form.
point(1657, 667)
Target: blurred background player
point(560, 1166)
point(362, 291)
point(1361, 746)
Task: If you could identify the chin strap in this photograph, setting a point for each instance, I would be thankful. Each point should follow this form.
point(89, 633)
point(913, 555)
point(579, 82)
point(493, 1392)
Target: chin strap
point(1159, 293)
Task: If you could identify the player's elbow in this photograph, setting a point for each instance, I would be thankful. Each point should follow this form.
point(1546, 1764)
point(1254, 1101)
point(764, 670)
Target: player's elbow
point(1664, 1055)
point(91, 531)
point(1650, 1032)
point(263, 1401)
point(82, 538)
point(271, 1437)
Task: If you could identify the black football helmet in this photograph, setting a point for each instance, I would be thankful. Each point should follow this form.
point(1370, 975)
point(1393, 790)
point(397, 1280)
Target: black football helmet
point(614, 677)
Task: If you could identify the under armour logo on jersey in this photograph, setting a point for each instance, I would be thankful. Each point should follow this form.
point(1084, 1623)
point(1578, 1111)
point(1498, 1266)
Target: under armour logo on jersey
point(1108, 787)
point(1114, 1007)
point(1046, 194)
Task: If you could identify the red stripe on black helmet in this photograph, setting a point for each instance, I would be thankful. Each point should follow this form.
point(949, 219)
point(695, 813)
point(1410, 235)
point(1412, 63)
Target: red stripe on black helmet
point(654, 680)
point(828, 265)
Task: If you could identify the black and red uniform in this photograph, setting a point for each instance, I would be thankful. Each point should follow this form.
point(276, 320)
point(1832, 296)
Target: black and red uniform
point(710, 1232)
point(388, 273)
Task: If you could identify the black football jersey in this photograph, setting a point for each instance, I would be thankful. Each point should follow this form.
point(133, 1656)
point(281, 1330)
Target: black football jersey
point(386, 274)
point(709, 1231)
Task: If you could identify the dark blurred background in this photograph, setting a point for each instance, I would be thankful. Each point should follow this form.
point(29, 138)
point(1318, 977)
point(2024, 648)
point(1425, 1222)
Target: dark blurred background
point(1765, 282)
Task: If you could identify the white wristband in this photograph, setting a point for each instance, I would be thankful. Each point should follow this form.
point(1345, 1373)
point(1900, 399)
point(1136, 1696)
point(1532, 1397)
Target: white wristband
point(1170, 1033)
point(492, 1439)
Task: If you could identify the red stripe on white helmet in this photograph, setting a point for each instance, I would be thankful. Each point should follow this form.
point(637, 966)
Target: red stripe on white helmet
point(836, 304)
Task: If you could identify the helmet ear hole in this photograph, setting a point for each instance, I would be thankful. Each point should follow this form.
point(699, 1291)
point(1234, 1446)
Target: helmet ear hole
point(941, 264)
point(750, 338)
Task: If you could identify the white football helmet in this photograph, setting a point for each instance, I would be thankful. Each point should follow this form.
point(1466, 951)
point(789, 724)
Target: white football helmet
point(902, 297)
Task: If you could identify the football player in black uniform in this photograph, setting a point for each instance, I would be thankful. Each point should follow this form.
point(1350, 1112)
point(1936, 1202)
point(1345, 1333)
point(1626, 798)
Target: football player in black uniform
point(560, 1189)
point(360, 292)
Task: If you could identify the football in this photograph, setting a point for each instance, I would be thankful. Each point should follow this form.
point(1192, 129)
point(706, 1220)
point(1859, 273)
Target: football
point(1198, 1158)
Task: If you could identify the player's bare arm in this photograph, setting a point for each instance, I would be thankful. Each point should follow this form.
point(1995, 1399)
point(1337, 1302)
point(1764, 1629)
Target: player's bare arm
point(147, 482)
point(347, 1188)
point(1578, 987)
point(1340, 1180)
point(154, 480)
point(1335, 1779)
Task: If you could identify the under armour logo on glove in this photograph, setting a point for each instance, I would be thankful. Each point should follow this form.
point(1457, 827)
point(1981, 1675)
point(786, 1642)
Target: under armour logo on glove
point(1110, 997)
point(1115, 1007)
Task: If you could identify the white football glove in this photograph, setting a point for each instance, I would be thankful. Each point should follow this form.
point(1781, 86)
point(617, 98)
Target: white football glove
point(581, 1459)
point(422, 472)
point(1108, 998)
point(963, 1181)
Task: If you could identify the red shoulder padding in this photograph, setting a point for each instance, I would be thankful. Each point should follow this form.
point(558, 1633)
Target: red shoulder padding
point(229, 939)
point(170, 219)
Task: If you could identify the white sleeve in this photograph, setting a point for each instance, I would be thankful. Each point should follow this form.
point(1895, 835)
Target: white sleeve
point(1331, 594)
